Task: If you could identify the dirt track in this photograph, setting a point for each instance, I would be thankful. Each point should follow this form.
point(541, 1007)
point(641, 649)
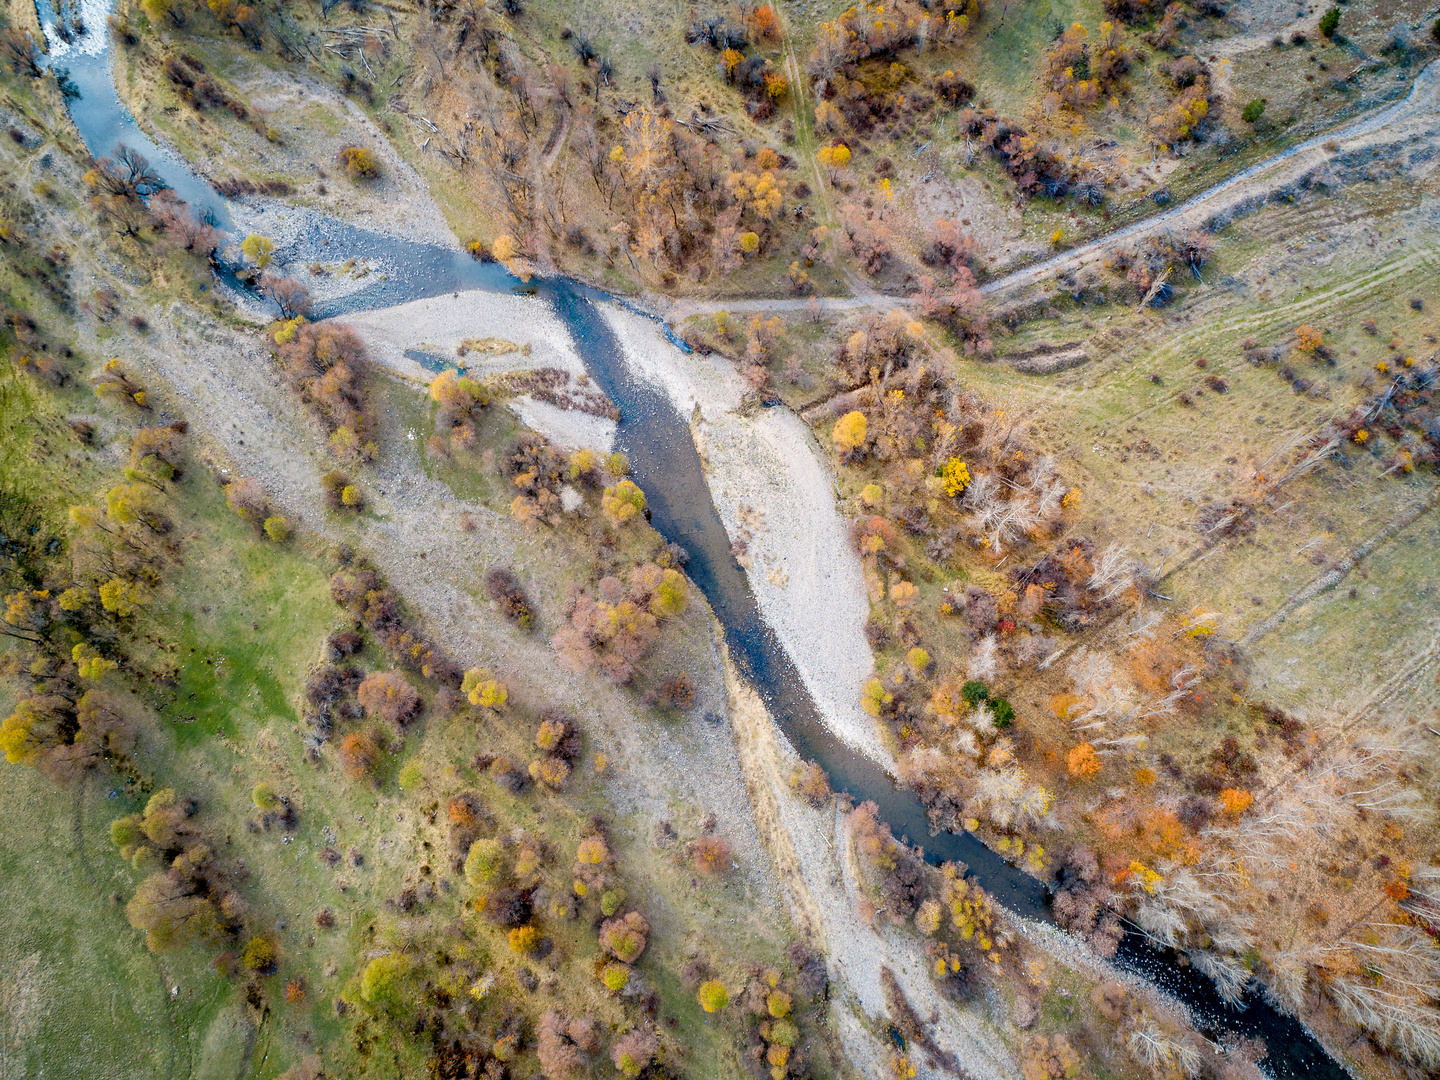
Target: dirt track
point(1416, 116)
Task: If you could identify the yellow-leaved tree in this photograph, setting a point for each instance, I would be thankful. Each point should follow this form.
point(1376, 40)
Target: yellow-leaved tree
point(849, 432)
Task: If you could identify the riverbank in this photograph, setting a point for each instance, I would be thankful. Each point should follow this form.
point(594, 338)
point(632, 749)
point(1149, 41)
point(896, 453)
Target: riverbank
point(773, 491)
point(815, 862)
point(438, 328)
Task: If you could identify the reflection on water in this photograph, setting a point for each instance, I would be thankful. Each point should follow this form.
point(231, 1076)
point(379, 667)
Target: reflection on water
point(665, 464)
point(431, 362)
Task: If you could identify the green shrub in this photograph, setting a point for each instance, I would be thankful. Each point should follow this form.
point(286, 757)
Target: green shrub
point(1330, 22)
point(713, 996)
point(615, 977)
point(126, 832)
point(974, 691)
point(484, 863)
point(783, 1033)
point(411, 776)
point(1003, 712)
point(381, 979)
point(259, 954)
point(1253, 111)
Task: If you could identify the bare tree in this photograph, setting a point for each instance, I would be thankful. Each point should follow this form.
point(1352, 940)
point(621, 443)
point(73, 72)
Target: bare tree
point(289, 295)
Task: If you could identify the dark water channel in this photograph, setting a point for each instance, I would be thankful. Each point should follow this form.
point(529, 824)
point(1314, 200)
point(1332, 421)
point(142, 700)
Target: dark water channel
point(666, 465)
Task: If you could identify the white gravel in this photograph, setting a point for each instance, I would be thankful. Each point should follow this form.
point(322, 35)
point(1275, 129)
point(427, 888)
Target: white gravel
point(767, 468)
point(569, 428)
point(438, 324)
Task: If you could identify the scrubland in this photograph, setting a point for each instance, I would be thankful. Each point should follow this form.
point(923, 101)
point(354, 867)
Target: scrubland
point(355, 725)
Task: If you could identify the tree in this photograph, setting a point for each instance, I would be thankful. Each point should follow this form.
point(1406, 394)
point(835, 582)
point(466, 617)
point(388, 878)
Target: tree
point(713, 996)
point(835, 158)
point(625, 937)
point(593, 851)
point(552, 771)
point(169, 909)
point(90, 664)
point(20, 51)
point(247, 498)
point(483, 689)
point(634, 1050)
point(622, 502)
point(711, 855)
point(461, 400)
point(615, 977)
point(874, 697)
point(523, 940)
point(670, 595)
point(289, 295)
point(121, 597)
point(335, 484)
point(505, 248)
point(360, 162)
point(955, 474)
point(277, 529)
point(484, 864)
point(50, 733)
point(327, 363)
point(259, 954)
point(157, 10)
point(113, 381)
point(157, 451)
point(1308, 339)
point(359, 755)
point(388, 695)
point(764, 23)
point(170, 214)
point(1236, 801)
point(849, 432)
point(812, 784)
point(559, 1043)
point(1049, 1058)
point(645, 156)
point(258, 249)
point(505, 590)
point(164, 817)
point(831, 50)
point(1082, 762)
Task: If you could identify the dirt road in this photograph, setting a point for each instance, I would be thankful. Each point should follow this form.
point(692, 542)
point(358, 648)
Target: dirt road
point(1416, 116)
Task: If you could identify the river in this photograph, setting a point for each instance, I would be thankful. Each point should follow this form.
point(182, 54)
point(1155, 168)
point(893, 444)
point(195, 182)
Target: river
point(666, 465)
